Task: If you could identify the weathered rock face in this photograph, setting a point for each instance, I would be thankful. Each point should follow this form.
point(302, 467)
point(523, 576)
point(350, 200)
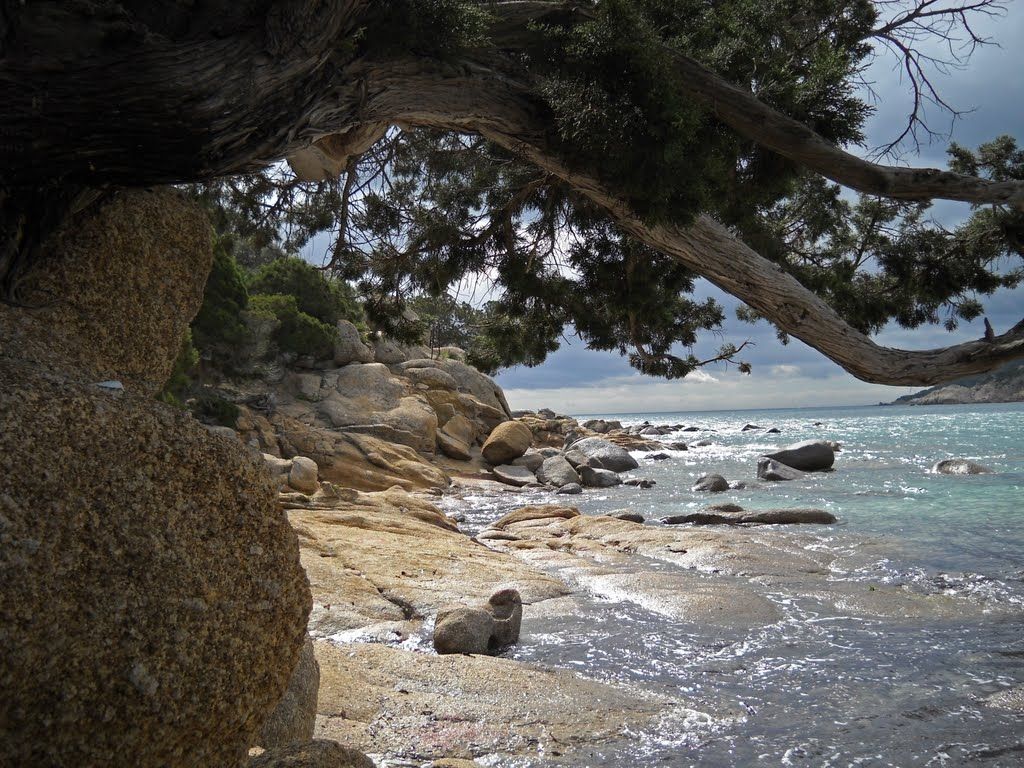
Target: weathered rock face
point(607, 455)
point(352, 460)
point(808, 456)
point(959, 467)
point(349, 346)
point(115, 291)
point(294, 717)
point(508, 441)
point(149, 586)
point(469, 380)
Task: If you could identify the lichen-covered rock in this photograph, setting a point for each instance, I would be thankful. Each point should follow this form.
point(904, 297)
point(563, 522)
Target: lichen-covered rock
point(115, 291)
point(508, 441)
point(294, 716)
point(152, 604)
point(312, 754)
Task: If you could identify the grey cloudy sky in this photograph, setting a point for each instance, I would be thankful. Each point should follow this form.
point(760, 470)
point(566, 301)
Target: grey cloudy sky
point(577, 380)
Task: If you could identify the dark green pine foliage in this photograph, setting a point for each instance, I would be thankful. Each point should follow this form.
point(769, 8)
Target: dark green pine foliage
point(450, 218)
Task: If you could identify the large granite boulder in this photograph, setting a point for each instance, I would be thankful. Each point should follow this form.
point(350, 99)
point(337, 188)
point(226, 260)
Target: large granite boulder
point(808, 456)
point(349, 346)
point(294, 716)
point(369, 399)
point(114, 291)
point(152, 605)
point(480, 629)
point(606, 454)
point(469, 380)
point(557, 471)
point(507, 441)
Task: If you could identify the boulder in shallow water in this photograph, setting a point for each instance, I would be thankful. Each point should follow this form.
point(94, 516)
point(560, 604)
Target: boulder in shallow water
point(507, 441)
point(557, 471)
point(770, 469)
point(531, 460)
point(506, 607)
point(606, 454)
point(750, 427)
point(513, 475)
point(959, 467)
point(599, 478)
point(808, 456)
point(711, 484)
point(628, 516)
point(570, 489)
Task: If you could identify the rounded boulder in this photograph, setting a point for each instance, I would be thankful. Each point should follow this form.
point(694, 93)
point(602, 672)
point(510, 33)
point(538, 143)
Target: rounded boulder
point(152, 604)
point(507, 442)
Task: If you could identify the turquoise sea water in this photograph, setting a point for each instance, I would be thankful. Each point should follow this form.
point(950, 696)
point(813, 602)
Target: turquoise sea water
point(824, 686)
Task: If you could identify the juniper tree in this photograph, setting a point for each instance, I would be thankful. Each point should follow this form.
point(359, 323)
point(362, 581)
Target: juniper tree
point(671, 139)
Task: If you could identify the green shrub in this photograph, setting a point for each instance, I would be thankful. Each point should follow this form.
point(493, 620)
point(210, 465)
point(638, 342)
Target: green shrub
point(299, 332)
point(211, 409)
point(180, 379)
point(218, 329)
point(315, 295)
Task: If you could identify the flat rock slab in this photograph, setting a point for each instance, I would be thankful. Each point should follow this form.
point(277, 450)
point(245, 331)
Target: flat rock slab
point(384, 700)
point(513, 475)
point(391, 556)
point(759, 517)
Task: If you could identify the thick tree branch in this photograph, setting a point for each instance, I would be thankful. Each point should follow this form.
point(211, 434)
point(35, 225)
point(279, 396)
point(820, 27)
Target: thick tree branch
point(742, 111)
point(502, 111)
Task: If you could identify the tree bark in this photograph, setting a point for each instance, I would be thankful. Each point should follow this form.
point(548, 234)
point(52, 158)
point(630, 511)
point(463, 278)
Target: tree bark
point(126, 103)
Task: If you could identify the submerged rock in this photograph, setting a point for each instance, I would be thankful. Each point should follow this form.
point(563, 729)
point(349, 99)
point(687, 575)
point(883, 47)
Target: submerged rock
point(762, 517)
point(959, 467)
point(711, 484)
point(770, 469)
point(599, 478)
point(808, 456)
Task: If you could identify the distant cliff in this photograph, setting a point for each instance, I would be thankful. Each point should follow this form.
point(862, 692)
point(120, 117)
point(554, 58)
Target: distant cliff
point(1003, 385)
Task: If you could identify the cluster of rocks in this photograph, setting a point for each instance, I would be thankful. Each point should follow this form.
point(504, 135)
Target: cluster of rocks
point(591, 462)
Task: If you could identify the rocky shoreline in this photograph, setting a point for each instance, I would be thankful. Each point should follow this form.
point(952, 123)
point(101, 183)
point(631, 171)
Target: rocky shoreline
point(177, 593)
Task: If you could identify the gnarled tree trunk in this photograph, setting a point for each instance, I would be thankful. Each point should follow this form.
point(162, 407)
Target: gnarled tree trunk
point(138, 93)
